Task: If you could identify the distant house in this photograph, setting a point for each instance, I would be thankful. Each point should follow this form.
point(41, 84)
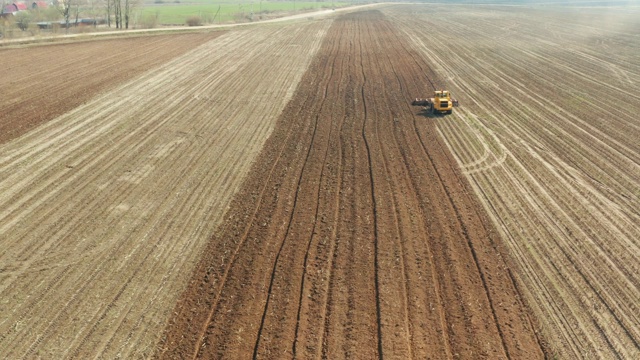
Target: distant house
point(39, 5)
point(12, 9)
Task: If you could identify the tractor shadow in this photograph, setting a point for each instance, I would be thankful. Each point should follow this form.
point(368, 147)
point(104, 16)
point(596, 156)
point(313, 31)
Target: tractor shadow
point(425, 112)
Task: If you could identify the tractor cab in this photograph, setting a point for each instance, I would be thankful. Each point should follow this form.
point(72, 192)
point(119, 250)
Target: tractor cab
point(442, 101)
point(442, 94)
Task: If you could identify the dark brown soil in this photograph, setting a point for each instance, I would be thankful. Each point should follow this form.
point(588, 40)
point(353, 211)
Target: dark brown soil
point(355, 235)
point(42, 82)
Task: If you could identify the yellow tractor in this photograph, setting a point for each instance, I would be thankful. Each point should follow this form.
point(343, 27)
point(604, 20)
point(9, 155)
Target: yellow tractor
point(441, 102)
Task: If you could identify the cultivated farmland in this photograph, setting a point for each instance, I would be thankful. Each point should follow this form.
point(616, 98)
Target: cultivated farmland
point(269, 192)
point(550, 139)
point(105, 209)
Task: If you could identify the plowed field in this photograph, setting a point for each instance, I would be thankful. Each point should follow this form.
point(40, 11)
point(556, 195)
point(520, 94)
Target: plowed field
point(549, 136)
point(42, 82)
point(355, 235)
point(104, 210)
point(269, 192)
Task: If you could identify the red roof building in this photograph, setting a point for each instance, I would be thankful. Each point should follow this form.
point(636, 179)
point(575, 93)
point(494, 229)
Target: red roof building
point(14, 8)
point(39, 5)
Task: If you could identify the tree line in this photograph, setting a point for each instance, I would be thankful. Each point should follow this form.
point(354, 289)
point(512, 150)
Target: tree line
point(117, 12)
point(113, 13)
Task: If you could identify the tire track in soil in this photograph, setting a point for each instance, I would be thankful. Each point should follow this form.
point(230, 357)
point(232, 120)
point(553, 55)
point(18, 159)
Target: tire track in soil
point(407, 194)
point(353, 191)
point(311, 168)
point(399, 247)
point(329, 175)
point(429, 154)
point(322, 276)
point(378, 161)
point(362, 37)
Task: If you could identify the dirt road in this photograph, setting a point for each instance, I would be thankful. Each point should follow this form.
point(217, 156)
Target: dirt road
point(355, 235)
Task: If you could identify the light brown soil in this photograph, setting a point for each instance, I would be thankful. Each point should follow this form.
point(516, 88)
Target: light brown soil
point(105, 209)
point(355, 234)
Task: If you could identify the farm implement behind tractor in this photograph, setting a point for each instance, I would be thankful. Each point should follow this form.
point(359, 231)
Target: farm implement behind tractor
point(441, 102)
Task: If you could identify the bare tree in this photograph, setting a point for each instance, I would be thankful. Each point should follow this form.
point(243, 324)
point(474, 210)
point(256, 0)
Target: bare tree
point(66, 7)
point(2, 19)
point(126, 14)
point(109, 4)
point(23, 18)
point(4, 24)
point(117, 9)
point(122, 10)
point(129, 6)
point(96, 9)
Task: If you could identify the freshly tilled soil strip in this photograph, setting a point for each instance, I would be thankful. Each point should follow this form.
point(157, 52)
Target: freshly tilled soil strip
point(355, 234)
